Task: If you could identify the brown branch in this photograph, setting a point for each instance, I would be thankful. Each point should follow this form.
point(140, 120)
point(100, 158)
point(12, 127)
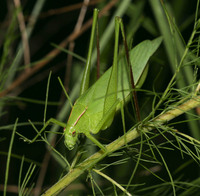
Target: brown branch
point(67, 9)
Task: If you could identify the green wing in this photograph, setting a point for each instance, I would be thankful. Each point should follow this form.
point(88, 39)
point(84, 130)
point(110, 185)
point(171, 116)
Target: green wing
point(93, 99)
point(139, 56)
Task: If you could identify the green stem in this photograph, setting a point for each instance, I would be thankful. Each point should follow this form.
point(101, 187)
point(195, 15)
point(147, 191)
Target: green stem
point(9, 156)
point(118, 143)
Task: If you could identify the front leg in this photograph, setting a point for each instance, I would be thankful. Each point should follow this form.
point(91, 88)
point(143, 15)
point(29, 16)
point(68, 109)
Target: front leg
point(51, 120)
point(95, 141)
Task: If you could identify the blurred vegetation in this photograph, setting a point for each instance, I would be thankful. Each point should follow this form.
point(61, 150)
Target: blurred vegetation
point(33, 36)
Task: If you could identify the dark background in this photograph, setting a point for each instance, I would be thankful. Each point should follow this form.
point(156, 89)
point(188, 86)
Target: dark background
point(54, 29)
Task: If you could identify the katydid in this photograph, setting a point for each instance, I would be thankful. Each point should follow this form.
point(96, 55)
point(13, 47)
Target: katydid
point(94, 110)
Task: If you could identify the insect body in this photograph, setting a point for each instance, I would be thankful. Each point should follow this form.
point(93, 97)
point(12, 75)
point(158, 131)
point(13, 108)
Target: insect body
point(88, 113)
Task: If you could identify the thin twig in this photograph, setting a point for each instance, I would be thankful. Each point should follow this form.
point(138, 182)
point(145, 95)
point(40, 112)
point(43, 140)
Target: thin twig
point(77, 29)
point(43, 170)
point(24, 35)
point(98, 51)
point(112, 181)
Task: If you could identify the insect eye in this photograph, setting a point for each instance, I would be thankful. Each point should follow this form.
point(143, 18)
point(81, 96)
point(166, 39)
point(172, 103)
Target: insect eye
point(73, 133)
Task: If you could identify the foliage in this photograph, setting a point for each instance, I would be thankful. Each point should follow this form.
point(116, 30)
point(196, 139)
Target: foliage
point(158, 155)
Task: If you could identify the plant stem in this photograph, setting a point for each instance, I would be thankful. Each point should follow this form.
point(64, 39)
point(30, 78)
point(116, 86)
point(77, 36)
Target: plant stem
point(118, 143)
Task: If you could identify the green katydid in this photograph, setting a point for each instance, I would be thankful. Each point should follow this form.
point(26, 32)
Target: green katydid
point(94, 110)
